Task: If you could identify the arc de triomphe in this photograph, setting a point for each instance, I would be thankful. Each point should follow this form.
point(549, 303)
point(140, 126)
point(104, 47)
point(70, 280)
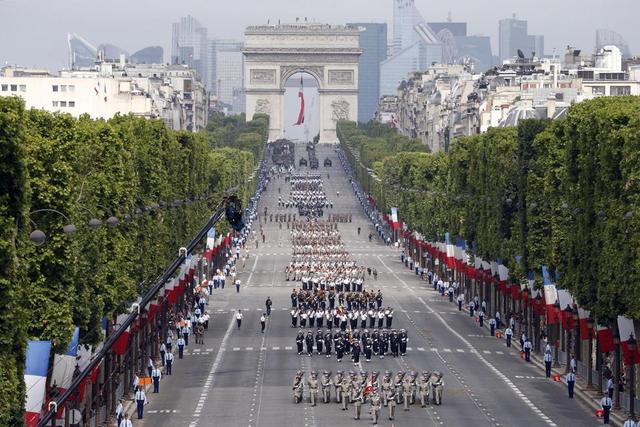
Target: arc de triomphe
point(273, 53)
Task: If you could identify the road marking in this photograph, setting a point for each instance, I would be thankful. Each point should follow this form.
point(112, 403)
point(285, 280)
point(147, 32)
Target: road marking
point(252, 269)
point(236, 348)
point(249, 348)
point(214, 367)
point(276, 348)
point(420, 348)
point(495, 370)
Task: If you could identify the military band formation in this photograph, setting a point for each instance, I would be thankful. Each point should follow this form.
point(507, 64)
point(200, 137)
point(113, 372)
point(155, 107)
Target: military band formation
point(335, 313)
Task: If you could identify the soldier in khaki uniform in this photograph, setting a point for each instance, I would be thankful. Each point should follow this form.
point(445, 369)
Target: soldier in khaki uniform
point(391, 400)
point(346, 392)
point(374, 399)
point(337, 383)
point(312, 382)
point(357, 398)
point(387, 384)
point(424, 387)
point(298, 387)
point(326, 386)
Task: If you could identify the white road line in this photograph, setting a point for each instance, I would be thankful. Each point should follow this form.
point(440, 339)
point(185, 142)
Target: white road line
point(478, 355)
point(252, 269)
point(276, 348)
point(214, 367)
point(249, 348)
point(236, 348)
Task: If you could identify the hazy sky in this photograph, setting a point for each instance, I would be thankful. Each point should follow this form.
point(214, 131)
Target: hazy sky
point(33, 32)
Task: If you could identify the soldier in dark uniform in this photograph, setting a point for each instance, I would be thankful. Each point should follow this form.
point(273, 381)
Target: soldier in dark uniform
point(309, 341)
point(384, 343)
point(355, 353)
point(328, 340)
point(393, 343)
point(339, 347)
point(319, 341)
point(403, 342)
point(300, 341)
point(376, 341)
point(368, 345)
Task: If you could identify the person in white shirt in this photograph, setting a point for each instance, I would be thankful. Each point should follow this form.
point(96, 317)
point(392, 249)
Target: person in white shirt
point(141, 400)
point(155, 376)
point(237, 286)
point(239, 318)
point(630, 422)
point(125, 422)
point(168, 362)
point(163, 351)
point(136, 381)
point(263, 322)
point(119, 412)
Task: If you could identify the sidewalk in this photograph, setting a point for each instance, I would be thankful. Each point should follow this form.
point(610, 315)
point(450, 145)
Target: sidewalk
point(590, 398)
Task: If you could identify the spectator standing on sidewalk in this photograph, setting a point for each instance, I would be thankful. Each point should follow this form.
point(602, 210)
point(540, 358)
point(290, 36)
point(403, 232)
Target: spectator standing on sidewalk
point(168, 363)
point(141, 400)
point(180, 347)
point(155, 376)
point(527, 349)
point(263, 321)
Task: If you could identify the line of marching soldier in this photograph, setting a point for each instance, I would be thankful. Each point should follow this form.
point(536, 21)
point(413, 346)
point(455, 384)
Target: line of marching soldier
point(379, 343)
point(358, 389)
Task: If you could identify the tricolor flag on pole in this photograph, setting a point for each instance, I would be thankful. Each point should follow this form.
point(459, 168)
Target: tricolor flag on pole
point(301, 112)
point(65, 364)
point(583, 318)
point(605, 339)
point(550, 298)
point(626, 329)
point(35, 378)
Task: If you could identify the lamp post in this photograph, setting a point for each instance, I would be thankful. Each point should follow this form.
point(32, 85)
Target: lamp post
point(577, 339)
point(556, 337)
point(568, 313)
point(632, 345)
point(38, 237)
point(537, 313)
point(616, 370)
point(590, 354)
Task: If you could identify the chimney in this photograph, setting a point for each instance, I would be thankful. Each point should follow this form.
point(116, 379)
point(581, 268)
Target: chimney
point(551, 106)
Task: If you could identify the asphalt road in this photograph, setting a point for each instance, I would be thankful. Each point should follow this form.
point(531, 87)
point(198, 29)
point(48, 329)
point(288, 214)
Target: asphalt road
point(241, 377)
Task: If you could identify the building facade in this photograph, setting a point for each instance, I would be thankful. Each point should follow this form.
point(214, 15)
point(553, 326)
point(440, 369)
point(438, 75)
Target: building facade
point(172, 93)
point(373, 42)
point(514, 35)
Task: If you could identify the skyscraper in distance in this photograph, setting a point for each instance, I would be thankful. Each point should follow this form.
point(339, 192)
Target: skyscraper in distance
point(405, 17)
point(189, 45)
point(373, 42)
point(514, 35)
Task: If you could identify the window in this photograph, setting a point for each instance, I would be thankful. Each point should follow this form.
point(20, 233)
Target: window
point(54, 88)
point(55, 103)
point(14, 88)
point(63, 103)
point(72, 88)
point(620, 90)
point(597, 90)
point(72, 103)
point(63, 88)
point(5, 88)
point(23, 88)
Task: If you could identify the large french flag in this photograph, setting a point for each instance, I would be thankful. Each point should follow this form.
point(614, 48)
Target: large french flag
point(626, 328)
point(550, 298)
point(565, 300)
point(35, 378)
point(583, 318)
point(605, 339)
point(64, 365)
point(301, 96)
point(122, 343)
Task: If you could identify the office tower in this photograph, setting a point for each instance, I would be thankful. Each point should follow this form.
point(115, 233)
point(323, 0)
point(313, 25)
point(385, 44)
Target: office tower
point(110, 52)
point(405, 17)
point(230, 79)
point(373, 42)
point(536, 45)
point(189, 45)
point(513, 36)
point(214, 46)
point(463, 48)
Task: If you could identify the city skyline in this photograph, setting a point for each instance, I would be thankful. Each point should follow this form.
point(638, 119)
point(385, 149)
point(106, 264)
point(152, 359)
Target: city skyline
point(43, 42)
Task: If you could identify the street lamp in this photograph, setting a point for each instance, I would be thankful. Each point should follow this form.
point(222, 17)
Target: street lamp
point(38, 237)
point(556, 336)
point(590, 359)
point(632, 345)
point(616, 370)
point(568, 313)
